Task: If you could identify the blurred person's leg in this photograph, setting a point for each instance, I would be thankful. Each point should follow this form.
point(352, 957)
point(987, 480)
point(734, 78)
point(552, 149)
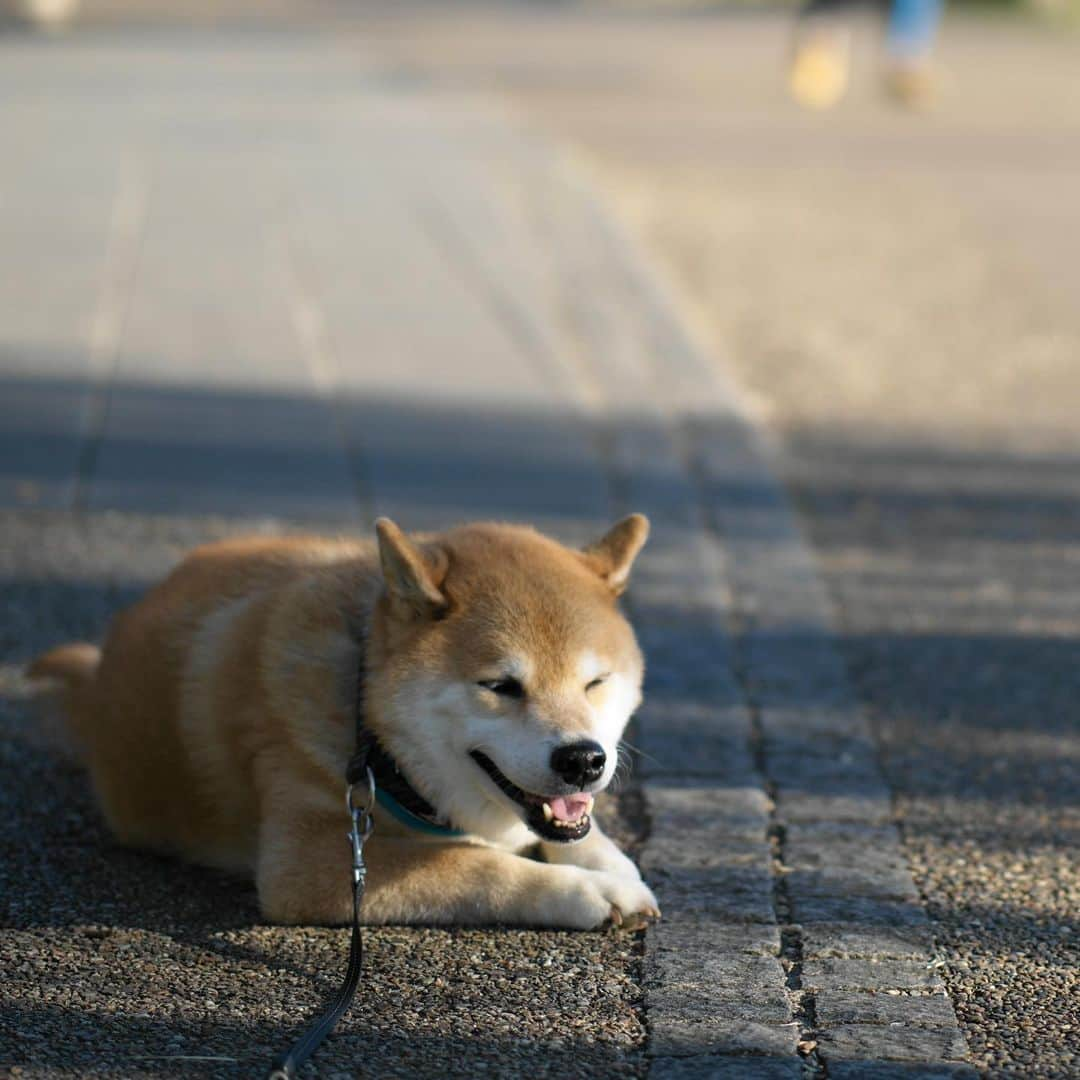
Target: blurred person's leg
point(821, 57)
point(44, 14)
point(909, 43)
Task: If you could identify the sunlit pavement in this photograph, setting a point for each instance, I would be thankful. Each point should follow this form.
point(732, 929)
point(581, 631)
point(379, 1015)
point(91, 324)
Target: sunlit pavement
point(265, 278)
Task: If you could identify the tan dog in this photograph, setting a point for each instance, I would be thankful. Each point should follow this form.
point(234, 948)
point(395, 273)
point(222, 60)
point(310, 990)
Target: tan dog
point(498, 674)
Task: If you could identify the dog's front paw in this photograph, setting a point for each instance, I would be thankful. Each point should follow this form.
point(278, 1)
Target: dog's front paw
point(596, 898)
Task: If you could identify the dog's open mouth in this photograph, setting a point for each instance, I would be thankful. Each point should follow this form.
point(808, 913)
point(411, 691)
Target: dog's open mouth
point(562, 818)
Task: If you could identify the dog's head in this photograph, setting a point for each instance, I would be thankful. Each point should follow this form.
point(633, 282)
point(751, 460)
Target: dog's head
point(503, 673)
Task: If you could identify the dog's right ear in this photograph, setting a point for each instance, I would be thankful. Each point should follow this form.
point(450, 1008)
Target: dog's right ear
point(614, 553)
point(412, 576)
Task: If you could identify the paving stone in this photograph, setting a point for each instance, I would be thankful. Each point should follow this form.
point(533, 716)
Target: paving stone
point(702, 1067)
point(679, 553)
point(797, 664)
point(868, 802)
point(41, 439)
point(66, 269)
point(689, 651)
point(706, 683)
point(687, 739)
point(846, 974)
point(700, 845)
point(896, 1070)
point(810, 716)
point(877, 1042)
point(671, 1037)
point(825, 750)
point(722, 827)
point(209, 451)
point(881, 942)
point(847, 880)
point(719, 976)
point(755, 939)
point(701, 1004)
point(657, 603)
point(808, 845)
point(857, 911)
point(735, 894)
point(708, 687)
point(213, 407)
point(832, 1007)
point(745, 807)
point(651, 475)
point(797, 763)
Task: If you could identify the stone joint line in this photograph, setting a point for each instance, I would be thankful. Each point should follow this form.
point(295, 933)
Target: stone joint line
point(794, 941)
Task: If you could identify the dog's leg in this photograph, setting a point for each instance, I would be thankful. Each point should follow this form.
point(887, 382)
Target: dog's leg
point(595, 852)
point(304, 868)
point(468, 883)
point(304, 877)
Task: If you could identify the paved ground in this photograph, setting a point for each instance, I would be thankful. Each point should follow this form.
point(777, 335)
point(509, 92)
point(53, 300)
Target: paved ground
point(897, 298)
point(235, 266)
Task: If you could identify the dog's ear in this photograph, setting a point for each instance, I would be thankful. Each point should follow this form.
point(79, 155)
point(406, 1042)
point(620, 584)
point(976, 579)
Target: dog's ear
point(412, 575)
point(614, 553)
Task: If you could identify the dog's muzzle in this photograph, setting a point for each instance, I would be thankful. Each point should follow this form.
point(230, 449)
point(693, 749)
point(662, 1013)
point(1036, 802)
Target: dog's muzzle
point(559, 818)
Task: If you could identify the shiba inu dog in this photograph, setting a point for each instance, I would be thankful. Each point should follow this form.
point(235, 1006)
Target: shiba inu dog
point(491, 668)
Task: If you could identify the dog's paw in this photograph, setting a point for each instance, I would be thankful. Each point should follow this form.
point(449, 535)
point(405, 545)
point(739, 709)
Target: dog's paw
point(596, 898)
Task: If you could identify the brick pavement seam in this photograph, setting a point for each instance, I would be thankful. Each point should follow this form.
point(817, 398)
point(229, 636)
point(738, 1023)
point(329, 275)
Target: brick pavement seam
point(577, 371)
point(715, 412)
point(319, 353)
point(120, 265)
point(583, 393)
point(776, 591)
point(803, 1003)
point(675, 1035)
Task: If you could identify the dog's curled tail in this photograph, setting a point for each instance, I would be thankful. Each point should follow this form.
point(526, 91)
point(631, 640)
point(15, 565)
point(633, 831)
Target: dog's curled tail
point(75, 665)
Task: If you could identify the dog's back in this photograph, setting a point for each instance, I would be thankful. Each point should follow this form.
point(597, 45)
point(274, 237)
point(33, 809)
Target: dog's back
point(163, 779)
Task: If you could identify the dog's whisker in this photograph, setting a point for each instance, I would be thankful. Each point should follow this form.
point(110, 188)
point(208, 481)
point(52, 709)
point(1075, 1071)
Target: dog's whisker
point(623, 768)
point(637, 750)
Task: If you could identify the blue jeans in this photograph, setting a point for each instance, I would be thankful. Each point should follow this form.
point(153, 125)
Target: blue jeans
point(912, 27)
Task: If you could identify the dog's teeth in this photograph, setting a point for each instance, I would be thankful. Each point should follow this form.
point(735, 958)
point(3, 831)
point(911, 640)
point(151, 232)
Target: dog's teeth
point(548, 812)
point(588, 806)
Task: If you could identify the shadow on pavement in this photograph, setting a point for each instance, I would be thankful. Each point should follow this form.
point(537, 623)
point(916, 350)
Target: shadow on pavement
point(68, 893)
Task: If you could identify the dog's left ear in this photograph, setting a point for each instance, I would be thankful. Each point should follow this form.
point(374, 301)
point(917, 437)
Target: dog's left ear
point(613, 554)
point(412, 573)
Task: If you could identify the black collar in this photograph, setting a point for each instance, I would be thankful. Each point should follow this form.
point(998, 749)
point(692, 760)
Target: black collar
point(392, 790)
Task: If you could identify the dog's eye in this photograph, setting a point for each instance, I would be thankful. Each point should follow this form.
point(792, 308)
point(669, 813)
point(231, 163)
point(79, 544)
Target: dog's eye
point(598, 681)
point(503, 687)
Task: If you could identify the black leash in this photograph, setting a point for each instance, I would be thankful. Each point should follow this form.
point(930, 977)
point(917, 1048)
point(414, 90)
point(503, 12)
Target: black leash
point(358, 772)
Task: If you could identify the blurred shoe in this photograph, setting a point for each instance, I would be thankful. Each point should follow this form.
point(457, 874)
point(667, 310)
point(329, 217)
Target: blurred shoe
point(820, 67)
point(45, 14)
point(911, 83)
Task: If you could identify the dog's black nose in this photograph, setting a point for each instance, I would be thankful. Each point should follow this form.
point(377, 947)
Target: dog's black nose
point(579, 763)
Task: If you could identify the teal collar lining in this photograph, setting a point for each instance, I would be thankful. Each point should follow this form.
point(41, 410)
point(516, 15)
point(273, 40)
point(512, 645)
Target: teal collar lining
point(406, 817)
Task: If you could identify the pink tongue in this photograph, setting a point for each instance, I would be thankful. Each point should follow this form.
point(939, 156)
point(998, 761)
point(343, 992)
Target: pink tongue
point(569, 807)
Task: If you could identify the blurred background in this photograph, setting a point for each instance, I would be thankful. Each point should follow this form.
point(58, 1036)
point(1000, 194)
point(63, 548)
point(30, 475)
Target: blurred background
point(266, 262)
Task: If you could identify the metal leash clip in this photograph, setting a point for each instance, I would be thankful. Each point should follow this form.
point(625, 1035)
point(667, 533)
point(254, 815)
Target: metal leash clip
point(362, 825)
